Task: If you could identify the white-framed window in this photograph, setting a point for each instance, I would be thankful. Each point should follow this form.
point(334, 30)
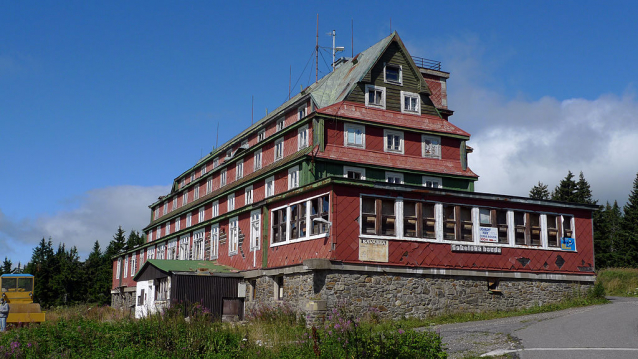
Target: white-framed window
point(410, 102)
point(248, 195)
point(214, 241)
point(394, 177)
point(307, 219)
point(133, 263)
point(196, 192)
point(375, 96)
point(301, 112)
point(261, 135)
point(202, 215)
point(165, 208)
point(281, 124)
point(158, 232)
point(233, 236)
point(293, 177)
point(192, 177)
point(432, 182)
point(357, 173)
point(215, 162)
point(393, 74)
point(231, 202)
point(222, 178)
point(119, 268)
point(184, 247)
point(239, 169)
point(279, 149)
point(203, 171)
point(209, 185)
point(188, 219)
point(157, 212)
point(183, 183)
point(215, 209)
point(270, 186)
point(393, 141)
point(178, 223)
point(185, 198)
point(126, 259)
point(198, 245)
point(167, 228)
point(174, 203)
point(150, 253)
point(302, 137)
point(354, 135)
point(161, 251)
point(255, 230)
point(257, 160)
point(431, 146)
point(229, 153)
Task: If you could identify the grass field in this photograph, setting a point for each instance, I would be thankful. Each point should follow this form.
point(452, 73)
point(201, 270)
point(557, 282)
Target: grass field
point(621, 282)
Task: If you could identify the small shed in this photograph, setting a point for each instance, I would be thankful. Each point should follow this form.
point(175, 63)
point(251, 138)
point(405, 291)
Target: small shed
point(161, 283)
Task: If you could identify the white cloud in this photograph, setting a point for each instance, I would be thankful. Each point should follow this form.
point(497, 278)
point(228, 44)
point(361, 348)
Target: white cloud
point(519, 142)
point(97, 215)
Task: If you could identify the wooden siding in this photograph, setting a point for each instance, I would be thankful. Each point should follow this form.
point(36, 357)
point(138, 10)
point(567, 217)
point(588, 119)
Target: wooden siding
point(209, 291)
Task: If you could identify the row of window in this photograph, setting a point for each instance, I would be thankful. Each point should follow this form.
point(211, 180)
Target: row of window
point(402, 218)
point(359, 173)
point(301, 220)
point(355, 136)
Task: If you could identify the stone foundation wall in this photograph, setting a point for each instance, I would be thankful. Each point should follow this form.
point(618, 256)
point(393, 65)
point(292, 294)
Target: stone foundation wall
point(409, 295)
point(124, 300)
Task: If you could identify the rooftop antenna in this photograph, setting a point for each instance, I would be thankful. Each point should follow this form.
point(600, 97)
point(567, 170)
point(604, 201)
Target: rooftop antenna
point(317, 53)
point(335, 49)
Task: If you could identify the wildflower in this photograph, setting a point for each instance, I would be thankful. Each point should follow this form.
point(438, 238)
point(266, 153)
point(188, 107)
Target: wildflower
point(28, 345)
point(401, 331)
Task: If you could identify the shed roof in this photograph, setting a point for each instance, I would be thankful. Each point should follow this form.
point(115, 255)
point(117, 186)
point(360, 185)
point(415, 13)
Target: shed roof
point(167, 267)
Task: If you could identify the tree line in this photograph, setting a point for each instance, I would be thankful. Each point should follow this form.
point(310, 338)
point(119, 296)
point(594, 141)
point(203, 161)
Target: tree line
point(62, 279)
point(615, 229)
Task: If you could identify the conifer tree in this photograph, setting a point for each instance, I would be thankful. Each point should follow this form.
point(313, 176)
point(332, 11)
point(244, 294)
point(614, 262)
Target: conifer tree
point(583, 191)
point(134, 240)
point(566, 190)
point(539, 191)
point(42, 266)
point(629, 226)
point(7, 266)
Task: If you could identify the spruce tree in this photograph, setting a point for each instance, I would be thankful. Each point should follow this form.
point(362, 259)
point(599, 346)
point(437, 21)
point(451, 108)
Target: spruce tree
point(566, 190)
point(583, 191)
point(6, 266)
point(42, 266)
point(629, 226)
point(539, 191)
point(134, 240)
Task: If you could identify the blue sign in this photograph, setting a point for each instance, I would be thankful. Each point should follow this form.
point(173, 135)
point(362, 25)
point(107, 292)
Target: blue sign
point(567, 244)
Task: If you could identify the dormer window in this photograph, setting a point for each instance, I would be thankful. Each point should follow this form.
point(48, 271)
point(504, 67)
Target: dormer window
point(410, 103)
point(431, 146)
point(215, 162)
point(193, 177)
point(393, 74)
point(261, 135)
point(375, 96)
point(301, 112)
point(229, 154)
point(281, 123)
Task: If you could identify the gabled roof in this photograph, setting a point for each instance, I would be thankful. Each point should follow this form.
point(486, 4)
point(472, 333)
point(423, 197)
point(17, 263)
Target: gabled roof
point(168, 267)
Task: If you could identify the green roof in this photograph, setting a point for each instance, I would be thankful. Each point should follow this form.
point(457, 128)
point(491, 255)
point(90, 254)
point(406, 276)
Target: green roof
point(168, 265)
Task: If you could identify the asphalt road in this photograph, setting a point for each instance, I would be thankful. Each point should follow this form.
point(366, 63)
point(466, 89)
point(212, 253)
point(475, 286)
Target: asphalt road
point(602, 331)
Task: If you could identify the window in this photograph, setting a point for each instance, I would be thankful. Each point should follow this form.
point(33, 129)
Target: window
point(198, 245)
point(229, 154)
point(431, 146)
point(527, 228)
point(393, 73)
point(568, 231)
point(319, 214)
point(133, 263)
point(457, 223)
point(281, 124)
point(302, 137)
point(410, 103)
point(553, 238)
point(293, 177)
point(209, 185)
point(279, 219)
point(270, 186)
point(214, 241)
point(167, 228)
point(165, 208)
point(184, 247)
point(178, 223)
point(174, 203)
point(255, 229)
point(301, 112)
point(261, 135)
point(354, 173)
point(188, 219)
point(233, 240)
point(192, 177)
point(150, 253)
point(301, 220)
point(231, 202)
point(161, 251)
point(393, 177)
point(215, 162)
point(158, 232)
point(495, 218)
point(119, 268)
point(184, 198)
point(215, 209)
point(257, 159)
point(354, 135)
point(248, 195)
point(202, 214)
point(378, 216)
point(196, 193)
point(183, 183)
point(279, 149)
point(419, 220)
point(203, 171)
point(222, 178)
point(239, 169)
point(298, 220)
point(126, 259)
point(156, 212)
point(432, 182)
point(279, 287)
point(393, 141)
point(375, 96)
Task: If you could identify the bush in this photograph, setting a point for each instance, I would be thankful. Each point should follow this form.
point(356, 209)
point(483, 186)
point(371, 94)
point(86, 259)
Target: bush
point(597, 291)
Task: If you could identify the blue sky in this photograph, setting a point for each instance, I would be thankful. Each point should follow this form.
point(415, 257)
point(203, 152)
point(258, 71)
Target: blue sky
point(103, 104)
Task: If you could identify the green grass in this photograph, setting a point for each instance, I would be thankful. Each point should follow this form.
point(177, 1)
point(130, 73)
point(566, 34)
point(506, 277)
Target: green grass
point(622, 282)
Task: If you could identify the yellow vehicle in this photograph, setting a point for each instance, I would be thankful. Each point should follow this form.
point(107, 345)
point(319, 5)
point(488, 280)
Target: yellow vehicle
point(17, 290)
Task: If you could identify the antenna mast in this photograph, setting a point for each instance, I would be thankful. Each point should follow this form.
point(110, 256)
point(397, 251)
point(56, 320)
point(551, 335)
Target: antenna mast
point(317, 52)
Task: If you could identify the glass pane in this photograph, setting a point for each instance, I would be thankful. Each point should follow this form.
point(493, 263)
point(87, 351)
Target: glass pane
point(387, 207)
point(351, 138)
point(501, 217)
point(428, 210)
point(409, 209)
point(466, 214)
point(448, 212)
point(519, 218)
point(9, 284)
point(358, 137)
point(367, 205)
point(485, 216)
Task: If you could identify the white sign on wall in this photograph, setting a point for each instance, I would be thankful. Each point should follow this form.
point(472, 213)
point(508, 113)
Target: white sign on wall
point(373, 250)
point(488, 234)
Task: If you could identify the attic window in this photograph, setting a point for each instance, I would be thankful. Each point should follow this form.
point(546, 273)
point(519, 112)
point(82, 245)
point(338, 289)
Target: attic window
point(393, 74)
point(375, 96)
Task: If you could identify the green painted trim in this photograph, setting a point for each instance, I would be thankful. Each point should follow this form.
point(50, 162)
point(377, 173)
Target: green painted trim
point(265, 236)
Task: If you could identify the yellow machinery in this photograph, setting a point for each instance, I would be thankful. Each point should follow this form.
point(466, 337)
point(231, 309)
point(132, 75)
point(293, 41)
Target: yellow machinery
point(17, 290)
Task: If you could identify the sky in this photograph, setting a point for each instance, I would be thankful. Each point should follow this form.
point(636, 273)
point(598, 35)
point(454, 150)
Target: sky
point(103, 104)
